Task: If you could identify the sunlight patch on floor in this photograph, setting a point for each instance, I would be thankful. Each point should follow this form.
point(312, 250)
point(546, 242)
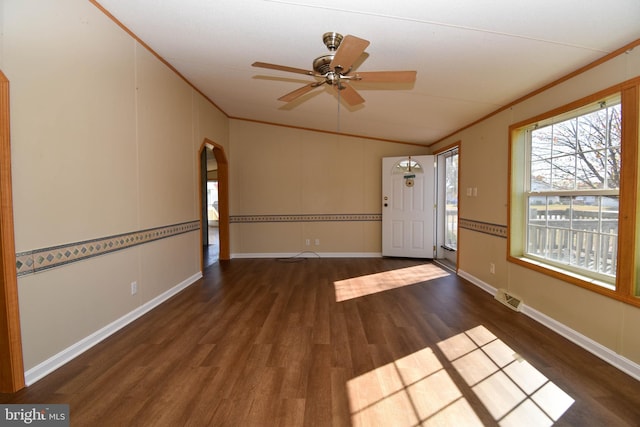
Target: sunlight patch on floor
point(513, 391)
point(418, 390)
point(373, 283)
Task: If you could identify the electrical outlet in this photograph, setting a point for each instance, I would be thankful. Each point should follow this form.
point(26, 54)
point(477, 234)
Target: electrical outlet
point(134, 288)
point(492, 268)
point(317, 242)
point(307, 242)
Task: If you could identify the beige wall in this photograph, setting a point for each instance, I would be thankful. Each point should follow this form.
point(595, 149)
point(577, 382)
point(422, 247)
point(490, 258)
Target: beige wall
point(105, 140)
point(484, 164)
point(284, 171)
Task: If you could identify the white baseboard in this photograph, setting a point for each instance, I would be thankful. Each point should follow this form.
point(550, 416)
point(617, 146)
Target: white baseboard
point(309, 254)
point(625, 365)
point(479, 283)
point(73, 351)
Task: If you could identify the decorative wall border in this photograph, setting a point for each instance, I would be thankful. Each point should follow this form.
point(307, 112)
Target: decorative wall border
point(241, 219)
point(483, 227)
point(37, 260)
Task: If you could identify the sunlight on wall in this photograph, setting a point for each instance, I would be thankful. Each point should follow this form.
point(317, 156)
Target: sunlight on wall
point(418, 389)
point(380, 282)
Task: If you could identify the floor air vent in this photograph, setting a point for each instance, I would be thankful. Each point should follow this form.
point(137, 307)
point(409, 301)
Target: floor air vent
point(508, 299)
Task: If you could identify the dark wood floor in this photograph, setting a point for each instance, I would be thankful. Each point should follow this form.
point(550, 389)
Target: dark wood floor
point(336, 342)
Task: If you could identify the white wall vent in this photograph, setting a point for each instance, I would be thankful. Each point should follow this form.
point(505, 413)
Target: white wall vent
point(508, 299)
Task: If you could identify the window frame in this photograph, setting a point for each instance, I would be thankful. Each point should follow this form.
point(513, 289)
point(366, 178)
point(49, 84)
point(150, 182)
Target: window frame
point(624, 287)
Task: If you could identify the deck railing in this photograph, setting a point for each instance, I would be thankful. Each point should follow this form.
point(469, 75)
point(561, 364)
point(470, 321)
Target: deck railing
point(582, 238)
point(451, 224)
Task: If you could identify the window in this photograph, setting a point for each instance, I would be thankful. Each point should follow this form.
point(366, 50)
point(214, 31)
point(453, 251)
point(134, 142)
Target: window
point(573, 190)
point(573, 193)
point(447, 161)
point(451, 199)
point(407, 166)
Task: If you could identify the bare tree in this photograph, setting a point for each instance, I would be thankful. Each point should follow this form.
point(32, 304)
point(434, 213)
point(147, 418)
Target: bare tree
point(579, 153)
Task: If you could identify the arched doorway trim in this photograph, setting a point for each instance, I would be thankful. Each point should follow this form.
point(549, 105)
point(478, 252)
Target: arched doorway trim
point(11, 362)
point(223, 196)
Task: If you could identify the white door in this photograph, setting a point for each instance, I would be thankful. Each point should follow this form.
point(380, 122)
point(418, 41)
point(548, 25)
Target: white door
point(408, 206)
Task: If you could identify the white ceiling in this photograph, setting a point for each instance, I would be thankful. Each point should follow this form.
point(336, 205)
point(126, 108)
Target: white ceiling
point(471, 56)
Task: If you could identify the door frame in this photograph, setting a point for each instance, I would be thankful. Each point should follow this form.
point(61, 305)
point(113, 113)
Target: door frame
point(223, 198)
point(11, 359)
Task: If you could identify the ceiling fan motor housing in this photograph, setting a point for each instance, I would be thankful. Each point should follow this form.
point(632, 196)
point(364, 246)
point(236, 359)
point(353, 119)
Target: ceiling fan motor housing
point(322, 64)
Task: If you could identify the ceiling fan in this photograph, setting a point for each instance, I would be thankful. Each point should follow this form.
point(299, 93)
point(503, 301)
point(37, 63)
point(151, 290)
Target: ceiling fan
point(335, 69)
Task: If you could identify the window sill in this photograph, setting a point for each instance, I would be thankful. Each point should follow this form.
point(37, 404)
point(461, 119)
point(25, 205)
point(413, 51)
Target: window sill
point(563, 274)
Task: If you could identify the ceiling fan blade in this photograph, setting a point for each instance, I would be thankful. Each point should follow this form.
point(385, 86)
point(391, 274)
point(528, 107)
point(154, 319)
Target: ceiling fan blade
point(299, 92)
point(386, 76)
point(350, 95)
point(282, 68)
point(349, 50)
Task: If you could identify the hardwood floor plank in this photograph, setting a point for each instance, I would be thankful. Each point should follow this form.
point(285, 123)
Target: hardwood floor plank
point(290, 413)
point(294, 383)
point(340, 404)
point(319, 393)
point(321, 332)
point(336, 342)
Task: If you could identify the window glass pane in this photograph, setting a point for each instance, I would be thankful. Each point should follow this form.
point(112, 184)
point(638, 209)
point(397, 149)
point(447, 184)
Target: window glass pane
point(558, 244)
point(407, 166)
point(540, 176)
point(538, 210)
point(559, 211)
point(537, 231)
point(564, 137)
point(563, 173)
point(541, 142)
point(609, 209)
point(609, 214)
point(614, 117)
point(586, 213)
point(592, 131)
point(591, 170)
point(613, 168)
point(558, 223)
point(608, 254)
point(537, 238)
point(584, 249)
